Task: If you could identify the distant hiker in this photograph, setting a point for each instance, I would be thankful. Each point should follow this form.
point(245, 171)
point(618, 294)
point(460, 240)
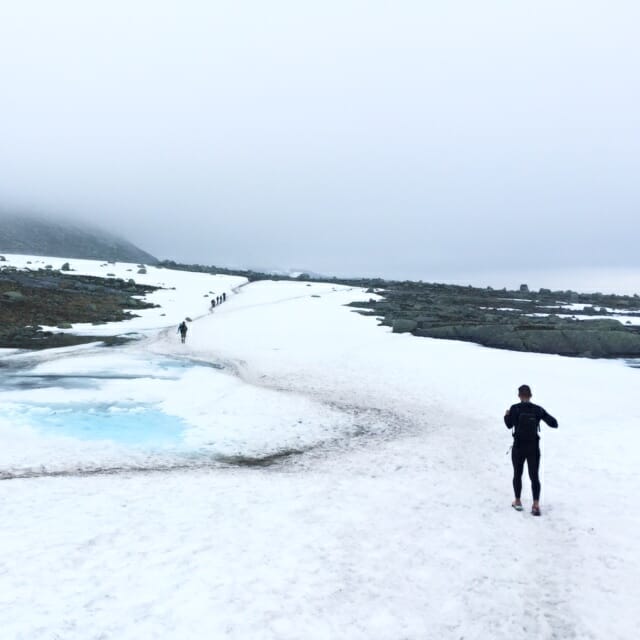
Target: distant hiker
point(219, 299)
point(224, 296)
point(524, 418)
point(213, 304)
point(182, 330)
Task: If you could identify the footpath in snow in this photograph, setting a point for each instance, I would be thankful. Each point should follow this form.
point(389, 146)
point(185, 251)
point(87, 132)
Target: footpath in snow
point(394, 522)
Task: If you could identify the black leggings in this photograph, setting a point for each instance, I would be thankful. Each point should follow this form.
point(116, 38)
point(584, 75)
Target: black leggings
point(530, 453)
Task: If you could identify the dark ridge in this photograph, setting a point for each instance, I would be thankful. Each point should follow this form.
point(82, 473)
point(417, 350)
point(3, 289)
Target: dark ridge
point(34, 235)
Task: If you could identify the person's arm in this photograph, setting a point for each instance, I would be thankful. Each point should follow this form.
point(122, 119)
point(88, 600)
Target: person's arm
point(508, 418)
point(549, 419)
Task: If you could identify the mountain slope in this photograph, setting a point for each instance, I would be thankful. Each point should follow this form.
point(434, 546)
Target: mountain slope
point(23, 233)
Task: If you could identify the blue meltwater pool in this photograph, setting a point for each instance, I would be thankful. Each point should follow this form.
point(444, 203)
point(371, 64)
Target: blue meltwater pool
point(130, 425)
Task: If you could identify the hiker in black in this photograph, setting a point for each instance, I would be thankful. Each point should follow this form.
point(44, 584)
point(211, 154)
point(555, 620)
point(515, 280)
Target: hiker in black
point(524, 418)
point(182, 330)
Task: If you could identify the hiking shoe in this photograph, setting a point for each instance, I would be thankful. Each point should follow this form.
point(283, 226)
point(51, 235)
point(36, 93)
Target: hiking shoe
point(535, 511)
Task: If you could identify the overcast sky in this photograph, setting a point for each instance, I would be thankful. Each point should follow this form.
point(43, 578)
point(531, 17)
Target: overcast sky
point(408, 139)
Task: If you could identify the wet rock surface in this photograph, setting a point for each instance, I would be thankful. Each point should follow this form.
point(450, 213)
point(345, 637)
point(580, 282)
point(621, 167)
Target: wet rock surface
point(30, 300)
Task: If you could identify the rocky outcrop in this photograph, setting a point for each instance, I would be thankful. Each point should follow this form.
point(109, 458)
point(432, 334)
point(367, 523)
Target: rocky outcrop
point(592, 342)
point(516, 320)
point(32, 299)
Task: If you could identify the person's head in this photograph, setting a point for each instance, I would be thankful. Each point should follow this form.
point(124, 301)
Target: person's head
point(524, 392)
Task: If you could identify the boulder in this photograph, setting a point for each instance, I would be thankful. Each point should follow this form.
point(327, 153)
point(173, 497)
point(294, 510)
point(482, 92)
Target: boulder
point(14, 296)
point(404, 325)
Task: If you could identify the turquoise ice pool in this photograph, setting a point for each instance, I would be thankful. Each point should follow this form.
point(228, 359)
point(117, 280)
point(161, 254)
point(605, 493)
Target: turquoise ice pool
point(130, 425)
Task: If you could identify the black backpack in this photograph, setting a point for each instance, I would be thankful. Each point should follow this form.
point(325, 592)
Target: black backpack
point(528, 424)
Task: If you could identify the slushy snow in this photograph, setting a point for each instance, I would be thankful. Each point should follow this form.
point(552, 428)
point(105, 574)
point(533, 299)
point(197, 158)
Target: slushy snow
point(386, 515)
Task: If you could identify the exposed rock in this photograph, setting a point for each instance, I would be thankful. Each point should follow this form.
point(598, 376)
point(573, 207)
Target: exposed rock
point(403, 325)
point(31, 299)
point(499, 319)
point(13, 296)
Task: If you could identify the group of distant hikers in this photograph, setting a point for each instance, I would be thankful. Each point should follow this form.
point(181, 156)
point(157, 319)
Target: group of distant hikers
point(215, 302)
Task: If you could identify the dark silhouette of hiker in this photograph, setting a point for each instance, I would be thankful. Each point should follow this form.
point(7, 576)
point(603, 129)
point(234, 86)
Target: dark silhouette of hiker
point(524, 418)
point(182, 330)
point(213, 304)
point(224, 296)
point(219, 299)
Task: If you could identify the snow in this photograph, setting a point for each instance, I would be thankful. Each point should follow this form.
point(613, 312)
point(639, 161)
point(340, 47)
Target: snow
point(620, 317)
point(394, 523)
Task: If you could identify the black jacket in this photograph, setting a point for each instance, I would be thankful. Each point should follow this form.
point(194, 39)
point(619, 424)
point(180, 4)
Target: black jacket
point(511, 419)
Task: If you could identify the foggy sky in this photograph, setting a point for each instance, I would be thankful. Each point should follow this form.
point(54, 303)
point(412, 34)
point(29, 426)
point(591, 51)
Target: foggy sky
point(406, 139)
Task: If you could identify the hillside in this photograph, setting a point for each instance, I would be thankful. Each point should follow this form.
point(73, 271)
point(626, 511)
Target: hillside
point(21, 233)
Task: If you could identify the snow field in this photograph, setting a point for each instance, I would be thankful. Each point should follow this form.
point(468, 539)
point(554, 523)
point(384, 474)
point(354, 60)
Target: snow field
point(404, 532)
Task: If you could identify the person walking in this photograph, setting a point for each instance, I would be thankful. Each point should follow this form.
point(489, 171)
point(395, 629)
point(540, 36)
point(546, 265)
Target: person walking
point(524, 418)
point(182, 330)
